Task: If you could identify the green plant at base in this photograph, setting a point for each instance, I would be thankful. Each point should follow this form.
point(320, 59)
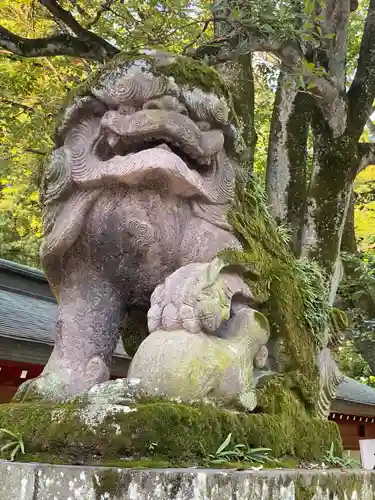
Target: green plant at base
point(345, 462)
point(13, 446)
point(241, 453)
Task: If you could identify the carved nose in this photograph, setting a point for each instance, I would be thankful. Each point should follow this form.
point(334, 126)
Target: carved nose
point(166, 103)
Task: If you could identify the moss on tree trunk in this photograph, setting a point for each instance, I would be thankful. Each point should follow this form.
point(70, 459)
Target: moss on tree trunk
point(335, 164)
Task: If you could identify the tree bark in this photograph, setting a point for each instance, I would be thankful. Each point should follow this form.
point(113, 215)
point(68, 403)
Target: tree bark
point(349, 242)
point(335, 165)
point(287, 155)
point(248, 110)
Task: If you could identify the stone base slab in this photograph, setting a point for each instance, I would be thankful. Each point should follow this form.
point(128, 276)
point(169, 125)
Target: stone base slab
point(29, 481)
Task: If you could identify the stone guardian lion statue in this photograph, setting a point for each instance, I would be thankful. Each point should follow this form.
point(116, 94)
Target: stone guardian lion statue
point(137, 189)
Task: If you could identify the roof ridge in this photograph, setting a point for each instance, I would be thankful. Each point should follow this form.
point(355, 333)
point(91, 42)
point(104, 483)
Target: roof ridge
point(15, 267)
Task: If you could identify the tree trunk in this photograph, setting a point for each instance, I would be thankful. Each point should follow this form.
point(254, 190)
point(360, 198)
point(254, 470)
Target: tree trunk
point(287, 155)
point(349, 242)
point(334, 167)
point(247, 112)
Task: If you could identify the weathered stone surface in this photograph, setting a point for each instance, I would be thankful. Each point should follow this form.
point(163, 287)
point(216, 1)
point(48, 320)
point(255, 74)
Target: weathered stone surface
point(18, 483)
point(94, 483)
point(204, 339)
point(138, 186)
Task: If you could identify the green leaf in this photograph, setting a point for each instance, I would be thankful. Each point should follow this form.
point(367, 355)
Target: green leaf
point(10, 433)
point(224, 444)
point(257, 450)
point(14, 452)
point(6, 446)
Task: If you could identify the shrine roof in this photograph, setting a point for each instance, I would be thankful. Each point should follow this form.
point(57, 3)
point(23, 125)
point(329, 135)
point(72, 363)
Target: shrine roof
point(352, 391)
point(28, 309)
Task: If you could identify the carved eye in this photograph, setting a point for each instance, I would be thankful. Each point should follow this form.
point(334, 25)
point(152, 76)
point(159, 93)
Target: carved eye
point(203, 125)
point(182, 110)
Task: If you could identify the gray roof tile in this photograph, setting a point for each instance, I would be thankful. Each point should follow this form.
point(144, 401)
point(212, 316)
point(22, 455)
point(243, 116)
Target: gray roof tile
point(24, 317)
point(352, 391)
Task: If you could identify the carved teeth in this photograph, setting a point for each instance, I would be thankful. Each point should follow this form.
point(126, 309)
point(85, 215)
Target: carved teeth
point(112, 139)
point(204, 161)
point(164, 146)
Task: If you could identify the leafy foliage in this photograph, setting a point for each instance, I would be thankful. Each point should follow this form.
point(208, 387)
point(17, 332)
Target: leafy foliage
point(344, 462)
point(14, 446)
point(365, 208)
point(31, 91)
point(241, 453)
point(357, 293)
point(351, 362)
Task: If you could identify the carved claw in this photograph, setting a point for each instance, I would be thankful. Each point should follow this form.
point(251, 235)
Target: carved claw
point(196, 297)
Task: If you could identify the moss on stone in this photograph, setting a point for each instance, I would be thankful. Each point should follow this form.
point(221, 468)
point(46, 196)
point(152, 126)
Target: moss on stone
point(195, 74)
point(106, 482)
point(178, 433)
point(186, 72)
point(262, 320)
point(291, 291)
point(338, 324)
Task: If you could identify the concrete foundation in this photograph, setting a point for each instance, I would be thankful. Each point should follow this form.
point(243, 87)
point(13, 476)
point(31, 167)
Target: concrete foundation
point(21, 481)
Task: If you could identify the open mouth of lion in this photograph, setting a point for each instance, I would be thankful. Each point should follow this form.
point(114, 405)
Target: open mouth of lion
point(149, 129)
point(104, 151)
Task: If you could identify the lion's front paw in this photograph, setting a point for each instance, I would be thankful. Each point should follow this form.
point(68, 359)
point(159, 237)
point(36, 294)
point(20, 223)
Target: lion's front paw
point(196, 298)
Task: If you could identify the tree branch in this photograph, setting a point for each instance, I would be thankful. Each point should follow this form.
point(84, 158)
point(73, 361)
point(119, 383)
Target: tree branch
point(328, 94)
point(82, 33)
point(366, 151)
point(336, 16)
point(58, 45)
point(106, 6)
point(362, 90)
point(23, 151)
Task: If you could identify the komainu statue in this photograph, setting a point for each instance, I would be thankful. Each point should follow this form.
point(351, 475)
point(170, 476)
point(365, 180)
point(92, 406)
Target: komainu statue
point(138, 187)
point(150, 221)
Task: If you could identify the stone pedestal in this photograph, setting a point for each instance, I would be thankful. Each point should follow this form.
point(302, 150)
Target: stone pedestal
point(54, 482)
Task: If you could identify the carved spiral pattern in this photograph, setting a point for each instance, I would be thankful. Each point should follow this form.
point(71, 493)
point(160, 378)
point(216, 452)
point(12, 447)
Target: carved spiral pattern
point(206, 107)
point(82, 108)
point(222, 184)
point(57, 176)
point(139, 88)
point(79, 144)
point(143, 234)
